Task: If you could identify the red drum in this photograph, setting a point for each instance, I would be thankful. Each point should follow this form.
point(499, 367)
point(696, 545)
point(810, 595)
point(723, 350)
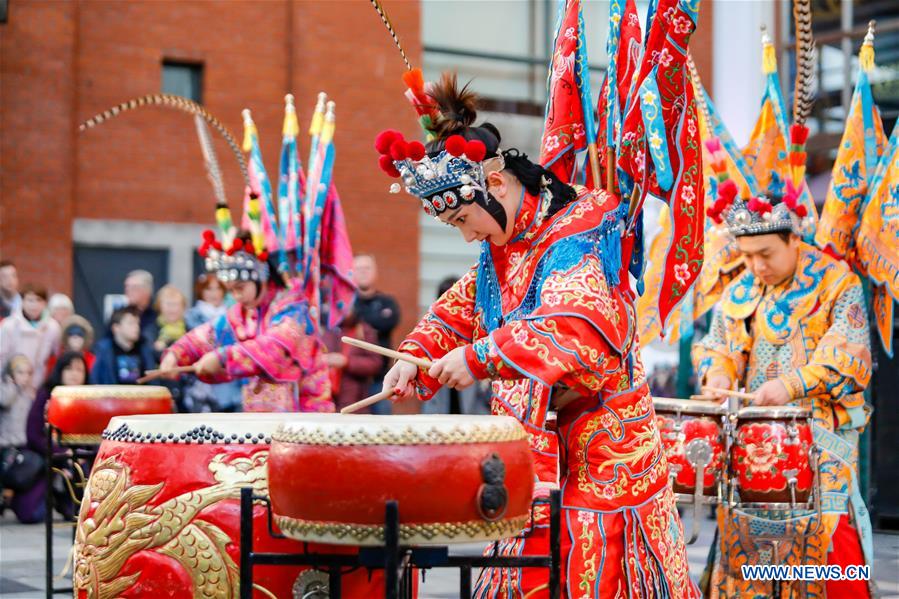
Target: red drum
point(692, 434)
point(770, 454)
point(161, 512)
point(82, 412)
point(456, 479)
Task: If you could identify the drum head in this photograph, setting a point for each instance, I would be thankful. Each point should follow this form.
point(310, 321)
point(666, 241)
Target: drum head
point(773, 412)
point(87, 392)
point(243, 427)
point(368, 429)
point(669, 405)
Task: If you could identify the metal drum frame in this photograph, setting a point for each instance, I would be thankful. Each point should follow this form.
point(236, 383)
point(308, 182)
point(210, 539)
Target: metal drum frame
point(78, 454)
point(396, 560)
point(812, 505)
point(699, 454)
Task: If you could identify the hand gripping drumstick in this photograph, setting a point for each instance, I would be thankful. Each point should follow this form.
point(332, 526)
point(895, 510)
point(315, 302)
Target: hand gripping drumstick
point(729, 393)
point(155, 374)
point(420, 362)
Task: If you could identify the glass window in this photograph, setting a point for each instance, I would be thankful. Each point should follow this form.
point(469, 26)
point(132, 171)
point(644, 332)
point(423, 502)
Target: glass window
point(183, 79)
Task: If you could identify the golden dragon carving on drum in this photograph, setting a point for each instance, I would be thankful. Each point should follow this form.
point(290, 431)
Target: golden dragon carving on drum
point(123, 524)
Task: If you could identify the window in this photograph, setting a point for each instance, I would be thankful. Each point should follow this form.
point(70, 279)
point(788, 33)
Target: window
point(183, 79)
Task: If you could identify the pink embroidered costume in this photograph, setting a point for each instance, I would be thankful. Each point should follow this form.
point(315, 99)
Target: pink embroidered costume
point(274, 346)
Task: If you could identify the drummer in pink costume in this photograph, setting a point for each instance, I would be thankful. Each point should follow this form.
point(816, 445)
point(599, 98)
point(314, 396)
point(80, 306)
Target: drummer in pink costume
point(267, 337)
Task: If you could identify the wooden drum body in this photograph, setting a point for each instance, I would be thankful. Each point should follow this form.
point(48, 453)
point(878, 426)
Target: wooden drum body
point(770, 455)
point(161, 512)
point(693, 435)
point(456, 479)
point(82, 412)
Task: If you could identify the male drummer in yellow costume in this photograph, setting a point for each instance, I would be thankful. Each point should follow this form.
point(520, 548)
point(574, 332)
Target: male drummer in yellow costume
point(792, 329)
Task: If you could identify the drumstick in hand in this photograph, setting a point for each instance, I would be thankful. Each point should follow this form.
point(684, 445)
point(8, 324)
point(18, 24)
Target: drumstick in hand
point(420, 362)
point(364, 403)
point(729, 393)
point(155, 374)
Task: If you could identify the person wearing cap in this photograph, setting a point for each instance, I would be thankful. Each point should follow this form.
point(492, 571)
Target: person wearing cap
point(792, 329)
point(77, 336)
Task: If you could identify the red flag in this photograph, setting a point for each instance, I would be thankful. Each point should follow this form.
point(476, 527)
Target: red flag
point(660, 149)
point(563, 132)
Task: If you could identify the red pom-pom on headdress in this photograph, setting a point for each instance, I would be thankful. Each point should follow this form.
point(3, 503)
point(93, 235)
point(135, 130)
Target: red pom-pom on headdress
point(399, 150)
point(384, 140)
point(798, 134)
point(455, 145)
point(386, 164)
point(416, 150)
point(248, 247)
point(727, 191)
point(217, 245)
point(263, 255)
point(801, 211)
point(209, 235)
point(475, 150)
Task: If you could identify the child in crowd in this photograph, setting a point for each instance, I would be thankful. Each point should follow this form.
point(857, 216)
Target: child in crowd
point(18, 467)
point(171, 306)
point(125, 355)
point(77, 336)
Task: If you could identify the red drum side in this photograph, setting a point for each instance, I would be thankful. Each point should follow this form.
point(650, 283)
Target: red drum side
point(334, 489)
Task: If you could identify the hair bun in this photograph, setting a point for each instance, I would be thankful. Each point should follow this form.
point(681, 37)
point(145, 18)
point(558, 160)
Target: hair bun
point(458, 108)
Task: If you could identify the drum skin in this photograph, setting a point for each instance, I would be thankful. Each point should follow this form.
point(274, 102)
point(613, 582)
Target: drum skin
point(82, 412)
point(161, 513)
point(330, 479)
point(764, 450)
point(697, 420)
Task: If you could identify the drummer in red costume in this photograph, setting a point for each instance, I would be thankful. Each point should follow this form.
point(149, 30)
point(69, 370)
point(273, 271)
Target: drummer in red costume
point(537, 314)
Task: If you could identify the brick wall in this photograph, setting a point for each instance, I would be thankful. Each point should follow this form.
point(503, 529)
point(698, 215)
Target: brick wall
point(62, 62)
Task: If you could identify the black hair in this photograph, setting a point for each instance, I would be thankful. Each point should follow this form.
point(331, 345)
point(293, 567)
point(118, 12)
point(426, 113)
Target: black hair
point(121, 313)
point(457, 113)
point(445, 285)
point(64, 361)
point(274, 274)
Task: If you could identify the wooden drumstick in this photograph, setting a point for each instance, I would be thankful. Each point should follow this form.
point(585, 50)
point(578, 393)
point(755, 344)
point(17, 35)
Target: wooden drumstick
point(159, 373)
point(364, 403)
point(729, 393)
point(420, 362)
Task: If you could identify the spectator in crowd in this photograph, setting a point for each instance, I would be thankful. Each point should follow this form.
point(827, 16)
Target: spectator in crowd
point(60, 308)
point(139, 293)
point(200, 396)
point(352, 369)
point(10, 300)
point(210, 294)
point(378, 310)
point(125, 355)
point(70, 369)
point(171, 306)
point(77, 336)
point(18, 469)
point(30, 332)
point(471, 400)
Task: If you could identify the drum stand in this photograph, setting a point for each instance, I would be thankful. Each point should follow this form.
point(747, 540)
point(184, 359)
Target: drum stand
point(396, 560)
point(71, 460)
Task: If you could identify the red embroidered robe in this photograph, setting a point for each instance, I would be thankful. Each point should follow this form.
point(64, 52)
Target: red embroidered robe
point(537, 314)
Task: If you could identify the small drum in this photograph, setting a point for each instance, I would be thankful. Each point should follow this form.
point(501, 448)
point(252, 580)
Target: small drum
point(456, 479)
point(82, 412)
point(693, 436)
point(770, 455)
point(161, 512)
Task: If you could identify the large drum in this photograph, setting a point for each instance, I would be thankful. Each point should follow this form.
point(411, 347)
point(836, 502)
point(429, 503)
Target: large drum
point(770, 455)
point(161, 512)
point(456, 479)
point(82, 412)
point(693, 436)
